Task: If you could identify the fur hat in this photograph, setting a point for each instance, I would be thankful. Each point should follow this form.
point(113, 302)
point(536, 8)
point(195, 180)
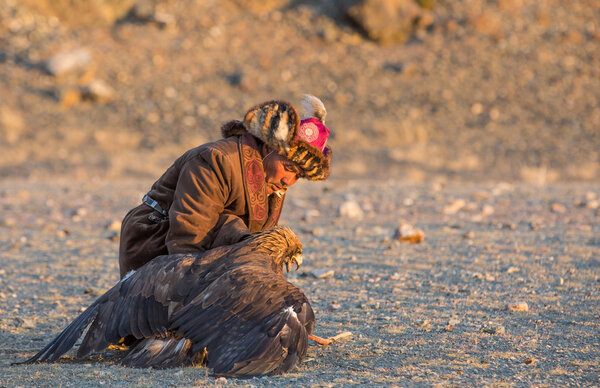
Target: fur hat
point(278, 125)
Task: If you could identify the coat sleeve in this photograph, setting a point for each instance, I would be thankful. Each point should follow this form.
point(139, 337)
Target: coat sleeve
point(202, 191)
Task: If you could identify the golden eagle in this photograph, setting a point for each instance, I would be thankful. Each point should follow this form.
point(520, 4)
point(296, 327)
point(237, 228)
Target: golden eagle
point(229, 307)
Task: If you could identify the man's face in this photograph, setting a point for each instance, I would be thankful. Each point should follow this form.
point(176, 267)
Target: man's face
point(280, 173)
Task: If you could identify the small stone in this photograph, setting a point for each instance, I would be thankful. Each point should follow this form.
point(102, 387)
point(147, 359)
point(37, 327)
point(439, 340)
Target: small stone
point(408, 233)
point(351, 209)
point(480, 195)
point(24, 323)
point(494, 114)
point(426, 20)
point(69, 98)
point(221, 380)
point(63, 232)
point(590, 196)
point(476, 108)
point(530, 360)
point(489, 277)
point(81, 212)
point(114, 226)
point(98, 91)
point(451, 25)
point(142, 11)
point(491, 328)
point(24, 194)
point(93, 291)
point(535, 225)
point(453, 321)
point(592, 204)
point(68, 60)
point(9, 222)
point(469, 235)
point(477, 275)
point(12, 123)
point(455, 206)
point(336, 306)
point(341, 336)
point(318, 232)
point(517, 306)
point(320, 273)
point(558, 208)
point(487, 210)
point(512, 269)
point(310, 213)
point(488, 23)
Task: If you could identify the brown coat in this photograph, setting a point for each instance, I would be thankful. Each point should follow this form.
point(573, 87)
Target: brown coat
point(215, 194)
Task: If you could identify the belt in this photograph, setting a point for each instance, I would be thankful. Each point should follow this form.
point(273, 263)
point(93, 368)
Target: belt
point(154, 205)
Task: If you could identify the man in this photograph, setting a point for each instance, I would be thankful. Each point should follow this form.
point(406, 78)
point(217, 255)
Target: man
point(219, 192)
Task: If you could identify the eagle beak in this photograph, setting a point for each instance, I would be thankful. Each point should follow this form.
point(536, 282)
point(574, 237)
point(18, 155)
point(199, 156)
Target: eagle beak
point(296, 259)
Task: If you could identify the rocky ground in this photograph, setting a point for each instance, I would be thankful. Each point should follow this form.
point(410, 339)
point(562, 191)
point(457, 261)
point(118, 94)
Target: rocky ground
point(503, 290)
point(98, 98)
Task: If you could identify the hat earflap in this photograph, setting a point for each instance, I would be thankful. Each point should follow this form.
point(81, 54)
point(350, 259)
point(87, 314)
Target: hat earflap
point(311, 160)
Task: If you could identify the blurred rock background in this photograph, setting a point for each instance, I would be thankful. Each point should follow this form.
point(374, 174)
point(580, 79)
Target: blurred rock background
point(472, 90)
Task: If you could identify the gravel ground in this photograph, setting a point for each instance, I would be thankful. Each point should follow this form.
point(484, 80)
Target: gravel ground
point(431, 313)
point(484, 91)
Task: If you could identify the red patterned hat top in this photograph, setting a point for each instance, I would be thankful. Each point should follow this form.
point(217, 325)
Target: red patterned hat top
point(314, 133)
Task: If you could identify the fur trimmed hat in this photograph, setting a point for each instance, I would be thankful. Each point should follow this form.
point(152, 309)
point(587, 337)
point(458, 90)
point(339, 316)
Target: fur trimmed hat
point(278, 125)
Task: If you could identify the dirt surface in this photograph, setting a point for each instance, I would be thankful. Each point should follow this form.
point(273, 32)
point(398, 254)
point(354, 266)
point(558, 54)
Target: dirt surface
point(484, 91)
point(432, 313)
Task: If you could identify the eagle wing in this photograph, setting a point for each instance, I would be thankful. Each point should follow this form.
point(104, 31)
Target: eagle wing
point(141, 304)
point(130, 307)
point(231, 303)
point(251, 321)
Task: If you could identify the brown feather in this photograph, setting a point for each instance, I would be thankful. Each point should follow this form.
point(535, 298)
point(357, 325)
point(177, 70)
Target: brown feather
point(230, 302)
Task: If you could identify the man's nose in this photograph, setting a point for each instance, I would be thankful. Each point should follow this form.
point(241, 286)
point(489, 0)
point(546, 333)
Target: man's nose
point(288, 181)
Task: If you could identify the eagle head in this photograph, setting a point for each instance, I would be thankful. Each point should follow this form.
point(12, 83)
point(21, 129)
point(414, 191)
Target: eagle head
point(282, 244)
